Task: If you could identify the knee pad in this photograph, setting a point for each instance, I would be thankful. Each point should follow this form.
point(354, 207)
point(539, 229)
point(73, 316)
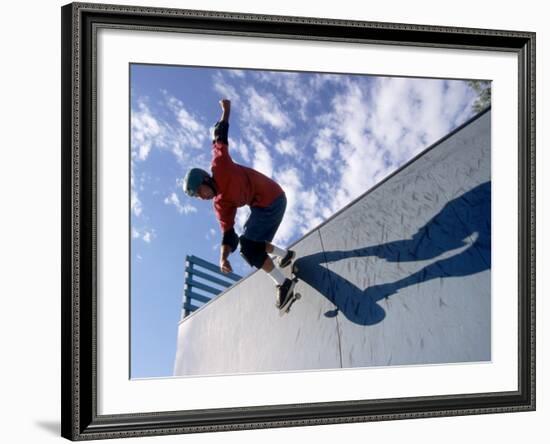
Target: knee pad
point(253, 252)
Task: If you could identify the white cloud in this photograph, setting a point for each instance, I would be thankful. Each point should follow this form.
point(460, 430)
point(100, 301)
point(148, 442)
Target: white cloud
point(189, 122)
point(225, 89)
point(241, 148)
point(459, 98)
point(287, 147)
point(324, 145)
point(319, 81)
point(373, 128)
point(293, 90)
point(262, 160)
point(173, 200)
point(145, 131)
point(265, 109)
point(180, 134)
point(303, 211)
point(411, 114)
point(146, 235)
point(289, 180)
point(190, 134)
point(239, 73)
point(347, 136)
point(135, 203)
point(240, 218)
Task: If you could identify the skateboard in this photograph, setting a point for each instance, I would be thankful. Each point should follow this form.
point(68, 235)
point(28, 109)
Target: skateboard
point(294, 295)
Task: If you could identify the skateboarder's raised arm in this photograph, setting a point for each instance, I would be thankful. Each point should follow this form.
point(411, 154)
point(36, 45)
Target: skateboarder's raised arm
point(221, 128)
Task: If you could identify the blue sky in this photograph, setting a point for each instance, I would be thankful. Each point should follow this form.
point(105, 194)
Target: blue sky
point(325, 138)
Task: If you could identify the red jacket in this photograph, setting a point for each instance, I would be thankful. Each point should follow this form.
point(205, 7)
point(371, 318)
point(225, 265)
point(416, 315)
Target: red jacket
point(237, 186)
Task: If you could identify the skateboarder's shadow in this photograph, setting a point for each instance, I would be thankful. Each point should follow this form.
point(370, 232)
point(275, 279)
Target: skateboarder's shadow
point(464, 223)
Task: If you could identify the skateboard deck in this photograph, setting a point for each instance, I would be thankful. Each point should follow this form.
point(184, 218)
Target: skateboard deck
point(294, 295)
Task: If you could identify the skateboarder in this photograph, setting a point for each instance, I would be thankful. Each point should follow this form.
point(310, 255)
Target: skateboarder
point(231, 186)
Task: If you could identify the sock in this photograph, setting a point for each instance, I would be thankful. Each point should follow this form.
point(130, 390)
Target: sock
point(279, 251)
point(277, 276)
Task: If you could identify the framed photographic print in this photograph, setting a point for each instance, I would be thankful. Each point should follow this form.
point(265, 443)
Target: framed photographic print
point(280, 221)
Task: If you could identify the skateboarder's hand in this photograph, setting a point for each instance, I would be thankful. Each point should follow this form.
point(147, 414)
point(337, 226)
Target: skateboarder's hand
point(226, 109)
point(225, 266)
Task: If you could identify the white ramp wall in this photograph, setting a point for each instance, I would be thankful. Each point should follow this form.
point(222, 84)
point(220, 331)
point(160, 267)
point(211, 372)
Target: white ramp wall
point(400, 276)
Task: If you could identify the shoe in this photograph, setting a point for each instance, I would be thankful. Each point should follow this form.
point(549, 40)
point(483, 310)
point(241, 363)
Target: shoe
point(284, 292)
point(287, 259)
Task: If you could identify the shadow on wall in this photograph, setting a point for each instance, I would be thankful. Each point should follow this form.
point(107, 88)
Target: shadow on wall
point(463, 222)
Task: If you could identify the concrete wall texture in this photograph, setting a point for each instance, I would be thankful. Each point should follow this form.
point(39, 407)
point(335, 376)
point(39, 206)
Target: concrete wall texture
point(401, 276)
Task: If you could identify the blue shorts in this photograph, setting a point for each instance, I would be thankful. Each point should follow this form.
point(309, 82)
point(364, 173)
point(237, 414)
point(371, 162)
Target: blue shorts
point(262, 224)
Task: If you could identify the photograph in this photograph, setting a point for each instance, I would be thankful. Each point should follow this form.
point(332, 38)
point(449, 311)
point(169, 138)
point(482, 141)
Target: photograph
point(291, 221)
point(275, 221)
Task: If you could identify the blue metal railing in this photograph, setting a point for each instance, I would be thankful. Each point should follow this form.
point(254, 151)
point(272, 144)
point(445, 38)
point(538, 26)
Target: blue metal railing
point(212, 284)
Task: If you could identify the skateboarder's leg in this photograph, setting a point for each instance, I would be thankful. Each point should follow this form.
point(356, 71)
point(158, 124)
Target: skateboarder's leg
point(273, 272)
point(259, 230)
point(254, 252)
point(268, 266)
point(285, 256)
point(276, 251)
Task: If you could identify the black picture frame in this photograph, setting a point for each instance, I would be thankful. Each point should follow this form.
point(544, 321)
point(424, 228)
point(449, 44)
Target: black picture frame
point(80, 420)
